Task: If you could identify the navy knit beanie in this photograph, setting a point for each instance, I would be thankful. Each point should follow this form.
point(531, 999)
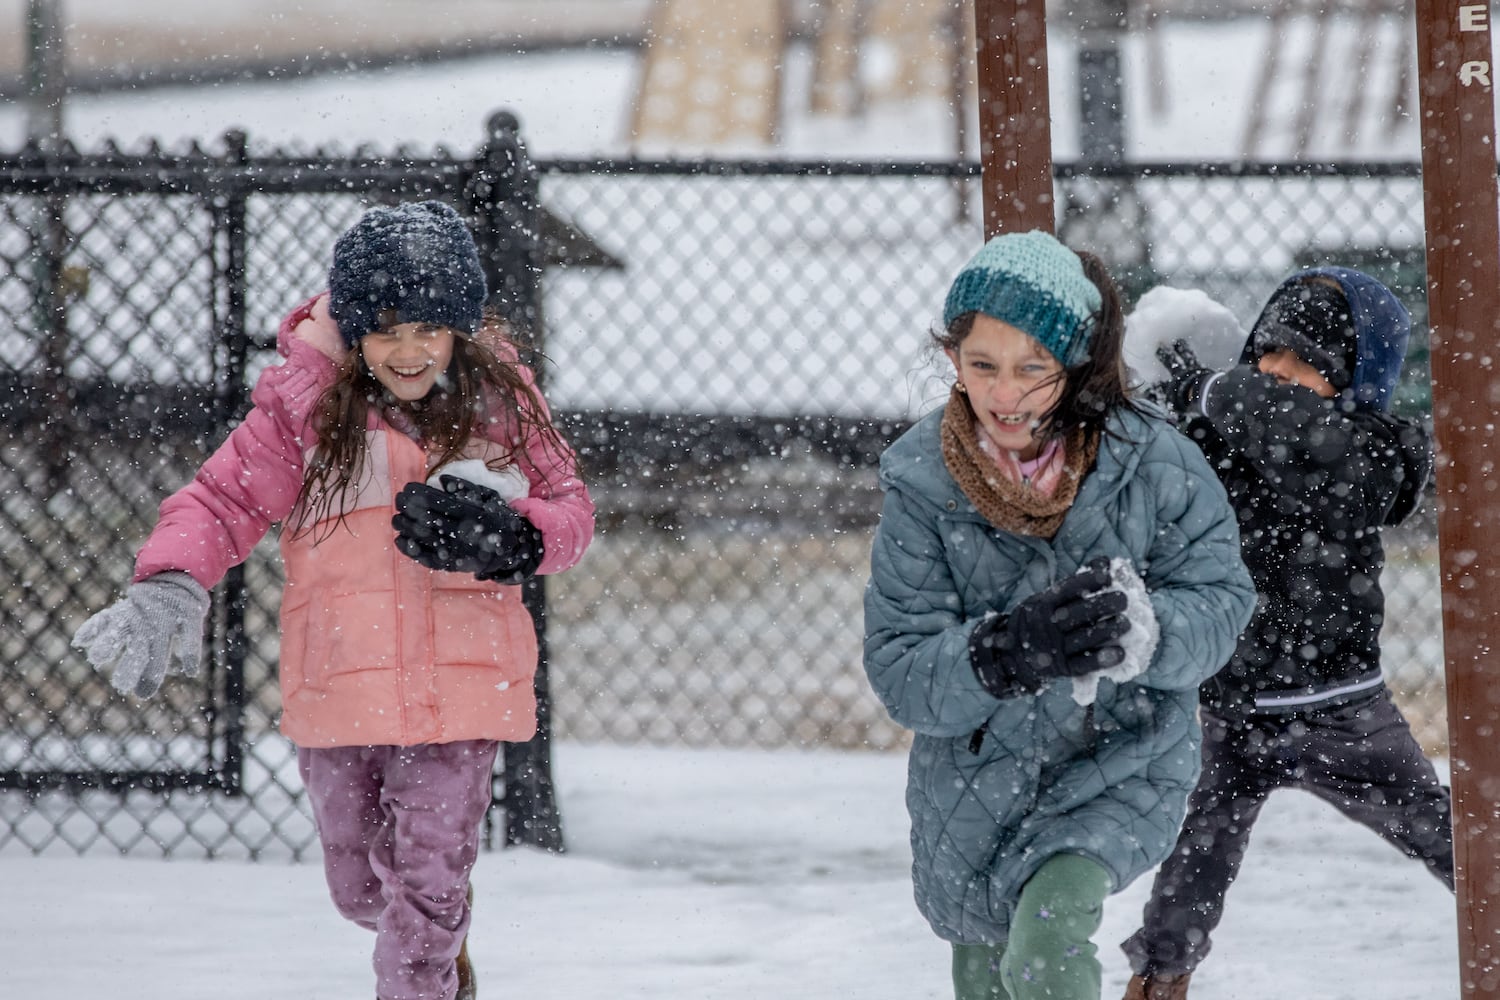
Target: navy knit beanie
point(1313, 320)
point(417, 260)
point(1035, 284)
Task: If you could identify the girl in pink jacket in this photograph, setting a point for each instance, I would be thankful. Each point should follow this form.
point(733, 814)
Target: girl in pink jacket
point(418, 480)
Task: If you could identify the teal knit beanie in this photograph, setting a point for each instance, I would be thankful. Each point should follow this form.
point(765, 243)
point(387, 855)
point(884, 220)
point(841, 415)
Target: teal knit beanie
point(1035, 284)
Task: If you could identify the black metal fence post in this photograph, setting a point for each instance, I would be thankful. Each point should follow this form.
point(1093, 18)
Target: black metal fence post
point(233, 398)
point(503, 198)
point(52, 285)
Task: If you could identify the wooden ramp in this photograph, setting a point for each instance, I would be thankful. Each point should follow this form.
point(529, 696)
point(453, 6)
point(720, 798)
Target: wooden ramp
point(712, 73)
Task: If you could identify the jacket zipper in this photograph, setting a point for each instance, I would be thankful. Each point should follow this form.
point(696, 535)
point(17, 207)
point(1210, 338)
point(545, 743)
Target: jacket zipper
point(977, 740)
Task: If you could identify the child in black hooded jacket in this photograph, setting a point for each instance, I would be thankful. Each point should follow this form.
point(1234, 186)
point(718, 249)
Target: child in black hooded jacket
point(1301, 436)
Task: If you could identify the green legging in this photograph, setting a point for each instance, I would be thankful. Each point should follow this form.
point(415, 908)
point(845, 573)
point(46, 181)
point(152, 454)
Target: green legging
point(1050, 954)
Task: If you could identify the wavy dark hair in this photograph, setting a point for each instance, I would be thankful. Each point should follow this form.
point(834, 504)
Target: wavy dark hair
point(479, 386)
point(1094, 386)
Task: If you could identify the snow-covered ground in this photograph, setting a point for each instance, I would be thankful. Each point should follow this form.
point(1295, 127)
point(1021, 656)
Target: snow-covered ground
point(707, 874)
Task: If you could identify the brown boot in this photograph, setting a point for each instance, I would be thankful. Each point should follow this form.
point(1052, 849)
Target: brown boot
point(465, 974)
point(1158, 987)
point(465, 968)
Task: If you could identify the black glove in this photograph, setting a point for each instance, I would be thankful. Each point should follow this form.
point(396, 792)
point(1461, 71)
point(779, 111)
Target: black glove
point(1181, 390)
point(1070, 629)
point(466, 528)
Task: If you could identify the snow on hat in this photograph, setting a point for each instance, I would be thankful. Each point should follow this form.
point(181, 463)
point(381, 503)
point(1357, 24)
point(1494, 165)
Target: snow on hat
point(1312, 320)
point(1035, 284)
point(415, 259)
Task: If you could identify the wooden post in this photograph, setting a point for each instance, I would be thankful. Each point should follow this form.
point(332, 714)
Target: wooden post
point(1015, 131)
point(1455, 83)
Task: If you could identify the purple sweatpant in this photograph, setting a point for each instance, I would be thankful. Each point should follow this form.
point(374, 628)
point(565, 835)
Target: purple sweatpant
point(400, 831)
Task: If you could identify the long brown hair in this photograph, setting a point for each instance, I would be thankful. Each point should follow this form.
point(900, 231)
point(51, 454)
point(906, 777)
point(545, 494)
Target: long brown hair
point(478, 387)
point(1097, 384)
point(1094, 386)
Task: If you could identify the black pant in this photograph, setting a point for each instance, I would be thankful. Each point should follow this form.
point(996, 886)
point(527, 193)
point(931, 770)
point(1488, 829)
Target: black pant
point(1361, 758)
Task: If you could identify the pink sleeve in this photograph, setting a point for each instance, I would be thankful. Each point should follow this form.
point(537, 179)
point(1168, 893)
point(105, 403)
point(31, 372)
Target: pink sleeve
point(559, 505)
point(252, 479)
point(563, 513)
point(214, 521)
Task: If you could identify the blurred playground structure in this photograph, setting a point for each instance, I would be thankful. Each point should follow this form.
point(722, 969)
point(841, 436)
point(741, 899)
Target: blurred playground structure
point(715, 74)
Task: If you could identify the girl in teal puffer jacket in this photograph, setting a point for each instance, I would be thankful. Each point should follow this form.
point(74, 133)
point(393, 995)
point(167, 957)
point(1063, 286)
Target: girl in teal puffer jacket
point(1055, 572)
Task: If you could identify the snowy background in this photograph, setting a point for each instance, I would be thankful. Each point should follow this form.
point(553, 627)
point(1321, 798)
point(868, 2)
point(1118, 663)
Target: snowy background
point(1188, 88)
point(706, 873)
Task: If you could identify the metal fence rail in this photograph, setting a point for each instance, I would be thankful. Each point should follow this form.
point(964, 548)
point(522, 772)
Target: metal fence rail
point(729, 345)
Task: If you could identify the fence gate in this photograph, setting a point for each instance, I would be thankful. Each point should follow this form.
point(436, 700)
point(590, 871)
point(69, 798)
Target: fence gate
point(139, 294)
point(101, 425)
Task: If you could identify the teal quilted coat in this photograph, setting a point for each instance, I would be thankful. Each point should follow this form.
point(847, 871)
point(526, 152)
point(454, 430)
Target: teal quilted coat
point(995, 787)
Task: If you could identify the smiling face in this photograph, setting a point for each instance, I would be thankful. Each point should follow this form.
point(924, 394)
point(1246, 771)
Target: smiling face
point(408, 358)
point(1012, 382)
point(1288, 369)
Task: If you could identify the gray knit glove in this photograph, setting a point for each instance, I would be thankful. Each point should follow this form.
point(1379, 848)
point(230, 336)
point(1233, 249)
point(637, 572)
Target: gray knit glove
point(154, 630)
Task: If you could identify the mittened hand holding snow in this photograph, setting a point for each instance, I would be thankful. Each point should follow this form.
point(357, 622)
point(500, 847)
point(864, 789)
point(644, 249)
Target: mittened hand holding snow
point(1180, 392)
point(1070, 629)
point(466, 528)
point(154, 630)
point(1140, 640)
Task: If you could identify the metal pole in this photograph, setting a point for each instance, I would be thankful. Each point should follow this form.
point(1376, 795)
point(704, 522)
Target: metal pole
point(956, 20)
point(1015, 132)
point(1104, 214)
point(504, 193)
point(1455, 83)
point(45, 82)
point(1101, 87)
point(231, 213)
point(45, 219)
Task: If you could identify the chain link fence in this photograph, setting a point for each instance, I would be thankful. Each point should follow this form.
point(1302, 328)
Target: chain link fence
point(728, 345)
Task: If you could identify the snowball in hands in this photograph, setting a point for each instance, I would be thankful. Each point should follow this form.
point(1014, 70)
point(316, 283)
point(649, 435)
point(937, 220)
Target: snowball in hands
point(510, 482)
point(1139, 642)
point(154, 630)
point(1166, 315)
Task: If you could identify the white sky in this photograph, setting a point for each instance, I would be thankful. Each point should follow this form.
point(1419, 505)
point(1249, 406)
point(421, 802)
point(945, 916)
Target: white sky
point(1189, 90)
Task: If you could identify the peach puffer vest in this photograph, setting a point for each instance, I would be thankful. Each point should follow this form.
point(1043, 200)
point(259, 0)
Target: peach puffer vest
point(375, 648)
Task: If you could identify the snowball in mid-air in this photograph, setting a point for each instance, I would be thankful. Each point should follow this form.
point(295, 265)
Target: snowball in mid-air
point(1165, 315)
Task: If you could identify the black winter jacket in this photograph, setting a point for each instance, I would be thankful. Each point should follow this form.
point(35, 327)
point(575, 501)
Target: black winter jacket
point(1312, 487)
point(1312, 482)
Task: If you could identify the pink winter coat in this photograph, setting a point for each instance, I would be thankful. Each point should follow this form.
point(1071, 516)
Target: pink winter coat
point(375, 648)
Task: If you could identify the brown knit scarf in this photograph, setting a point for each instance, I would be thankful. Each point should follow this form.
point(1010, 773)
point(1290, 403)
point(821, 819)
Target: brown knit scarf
point(1011, 506)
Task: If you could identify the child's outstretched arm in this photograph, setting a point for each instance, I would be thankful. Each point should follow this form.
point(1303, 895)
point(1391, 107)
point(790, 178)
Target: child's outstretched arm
point(253, 478)
point(211, 524)
point(1344, 470)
